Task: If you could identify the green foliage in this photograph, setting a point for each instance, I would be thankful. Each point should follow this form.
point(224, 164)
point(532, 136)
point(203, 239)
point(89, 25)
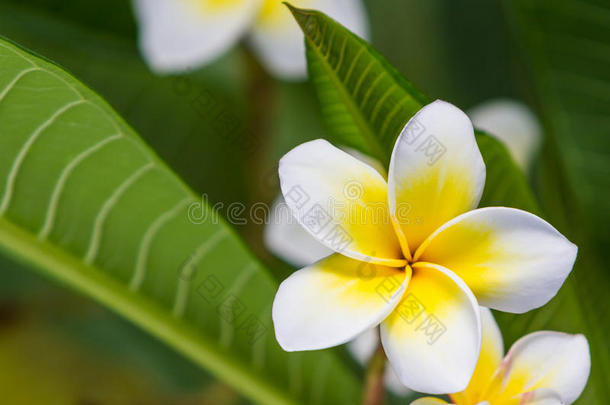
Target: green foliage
point(84, 200)
point(176, 116)
point(567, 45)
point(366, 102)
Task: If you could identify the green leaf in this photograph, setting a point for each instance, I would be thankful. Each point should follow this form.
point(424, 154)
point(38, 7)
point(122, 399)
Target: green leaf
point(566, 44)
point(366, 102)
point(204, 112)
point(85, 201)
point(363, 98)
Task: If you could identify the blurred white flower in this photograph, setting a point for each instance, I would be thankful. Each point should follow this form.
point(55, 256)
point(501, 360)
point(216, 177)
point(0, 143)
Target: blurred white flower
point(182, 35)
point(514, 124)
point(287, 239)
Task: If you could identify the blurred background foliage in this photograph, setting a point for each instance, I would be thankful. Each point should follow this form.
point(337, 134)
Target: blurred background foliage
point(57, 347)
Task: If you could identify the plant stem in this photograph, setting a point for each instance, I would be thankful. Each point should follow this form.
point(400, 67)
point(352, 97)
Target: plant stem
point(260, 88)
point(374, 390)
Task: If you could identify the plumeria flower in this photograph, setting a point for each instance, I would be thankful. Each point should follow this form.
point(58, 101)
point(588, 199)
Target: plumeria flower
point(412, 254)
point(542, 368)
point(514, 124)
point(286, 238)
point(181, 35)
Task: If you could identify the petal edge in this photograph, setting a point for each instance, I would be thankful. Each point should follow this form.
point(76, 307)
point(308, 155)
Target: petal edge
point(334, 300)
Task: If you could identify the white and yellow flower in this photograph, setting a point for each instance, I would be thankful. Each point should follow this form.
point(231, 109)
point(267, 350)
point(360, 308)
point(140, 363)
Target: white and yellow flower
point(542, 368)
point(514, 124)
point(182, 35)
point(412, 254)
point(286, 238)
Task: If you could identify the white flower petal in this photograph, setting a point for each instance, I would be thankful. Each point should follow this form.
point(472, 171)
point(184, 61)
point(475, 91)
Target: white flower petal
point(541, 396)
point(341, 201)
point(492, 353)
point(333, 301)
point(433, 337)
point(181, 35)
point(436, 172)
point(374, 163)
point(552, 361)
point(512, 260)
point(491, 339)
point(279, 42)
point(436, 401)
point(514, 124)
point(286, 238)
point(428, 401)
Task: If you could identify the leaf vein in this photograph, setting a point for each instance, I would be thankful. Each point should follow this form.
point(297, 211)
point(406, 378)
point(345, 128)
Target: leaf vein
point(341, 54)
point(63, 178)
point(149, 235)
point(391, 114)
point(350, 70)
point(98, 225)
point(12, 175)
point(186, 275)
point(15, 80)
point(371, 89)
point(227, 329)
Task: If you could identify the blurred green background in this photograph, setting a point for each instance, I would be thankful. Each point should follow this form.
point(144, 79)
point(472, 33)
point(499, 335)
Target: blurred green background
point(57, 347)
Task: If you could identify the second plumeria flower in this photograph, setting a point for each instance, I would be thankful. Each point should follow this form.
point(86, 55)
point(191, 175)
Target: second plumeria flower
point(542, 368)
point(182, 35)
point(412, 254)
